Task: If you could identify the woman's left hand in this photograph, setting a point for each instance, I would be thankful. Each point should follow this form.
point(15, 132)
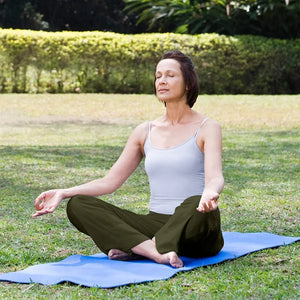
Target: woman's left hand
point(208, 202)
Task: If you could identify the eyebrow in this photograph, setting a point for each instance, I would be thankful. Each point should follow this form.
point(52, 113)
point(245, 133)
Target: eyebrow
point(167, 71)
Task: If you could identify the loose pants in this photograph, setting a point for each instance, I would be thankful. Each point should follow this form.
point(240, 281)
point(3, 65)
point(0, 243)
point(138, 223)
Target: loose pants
point(187, 232)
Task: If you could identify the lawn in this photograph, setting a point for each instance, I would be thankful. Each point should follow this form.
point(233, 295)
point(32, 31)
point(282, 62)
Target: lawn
point(51, 141)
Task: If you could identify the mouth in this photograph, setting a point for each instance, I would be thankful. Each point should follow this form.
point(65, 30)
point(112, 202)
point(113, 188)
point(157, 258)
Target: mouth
point(163, 90)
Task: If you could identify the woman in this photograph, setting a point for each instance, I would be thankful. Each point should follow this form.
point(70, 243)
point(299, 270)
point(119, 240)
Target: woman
point(183, 160)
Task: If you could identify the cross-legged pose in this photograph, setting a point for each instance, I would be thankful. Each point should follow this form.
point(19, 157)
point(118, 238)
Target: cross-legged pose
point(183, 161)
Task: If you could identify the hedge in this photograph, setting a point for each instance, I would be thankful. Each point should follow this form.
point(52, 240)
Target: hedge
point(37, 61)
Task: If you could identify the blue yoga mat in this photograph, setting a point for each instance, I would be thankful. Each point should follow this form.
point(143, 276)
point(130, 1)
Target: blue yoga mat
point(98, 271)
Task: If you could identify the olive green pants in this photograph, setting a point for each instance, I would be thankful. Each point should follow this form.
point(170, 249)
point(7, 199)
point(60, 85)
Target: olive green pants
point(187, 232)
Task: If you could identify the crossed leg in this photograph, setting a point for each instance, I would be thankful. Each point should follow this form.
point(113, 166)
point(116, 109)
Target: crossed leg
point(148, 249)
point(103, 222)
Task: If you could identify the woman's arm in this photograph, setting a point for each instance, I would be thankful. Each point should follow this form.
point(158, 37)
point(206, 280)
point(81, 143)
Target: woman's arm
point(128, 161)
point(214, 180)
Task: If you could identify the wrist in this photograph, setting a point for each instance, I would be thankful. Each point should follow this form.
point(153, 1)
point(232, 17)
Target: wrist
point(210, 195)
point(63, 193)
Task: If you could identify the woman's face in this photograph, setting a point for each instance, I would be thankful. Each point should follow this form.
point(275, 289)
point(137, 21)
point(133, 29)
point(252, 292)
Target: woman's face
point(169, 81)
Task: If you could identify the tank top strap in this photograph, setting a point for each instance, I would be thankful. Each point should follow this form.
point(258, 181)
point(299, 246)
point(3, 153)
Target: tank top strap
point(202, 123)
point(149, 129)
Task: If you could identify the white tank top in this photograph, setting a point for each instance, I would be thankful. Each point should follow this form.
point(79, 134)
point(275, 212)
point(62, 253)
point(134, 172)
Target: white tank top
point(174, 173)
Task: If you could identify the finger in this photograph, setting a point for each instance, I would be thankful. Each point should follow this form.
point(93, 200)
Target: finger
point(207, 206)
point(51, 209)
point(37, 214)
point(42, 212)
point(215, 197)
point(39, 206)
point(40, 197)
point(38, 201)
point(214, 205)
point(201, 208)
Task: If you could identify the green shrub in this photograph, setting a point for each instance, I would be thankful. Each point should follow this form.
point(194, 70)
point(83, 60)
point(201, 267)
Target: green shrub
point(36, 61)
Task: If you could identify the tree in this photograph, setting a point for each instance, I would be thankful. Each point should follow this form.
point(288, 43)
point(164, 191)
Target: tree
point(57, 15)
point(21, 14)
point(272, 18)
point(84, 15)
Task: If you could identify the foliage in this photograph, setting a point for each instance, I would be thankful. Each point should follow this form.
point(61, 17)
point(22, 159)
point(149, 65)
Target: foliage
point(261, 169)
point(37, 62)
point(56, 15)
point(21, 14)
point(271, 18)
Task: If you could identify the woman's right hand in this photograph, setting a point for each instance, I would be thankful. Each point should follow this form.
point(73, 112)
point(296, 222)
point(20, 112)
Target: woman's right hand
point(47, 202)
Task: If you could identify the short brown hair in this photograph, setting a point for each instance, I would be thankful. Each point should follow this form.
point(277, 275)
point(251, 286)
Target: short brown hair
point(189, 75)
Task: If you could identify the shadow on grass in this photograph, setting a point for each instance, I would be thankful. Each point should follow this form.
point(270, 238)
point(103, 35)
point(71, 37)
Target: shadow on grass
point(68, 156)
point(260, 156)
point(27, 171)
point(261, 171)
point(249, 157)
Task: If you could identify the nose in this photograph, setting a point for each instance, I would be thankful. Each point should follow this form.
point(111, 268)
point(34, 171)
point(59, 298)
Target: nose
point(162, 80)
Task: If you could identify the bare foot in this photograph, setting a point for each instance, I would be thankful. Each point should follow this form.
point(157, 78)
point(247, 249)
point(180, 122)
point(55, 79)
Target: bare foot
point(171, 258)
point(148, 249)
point(116, 254)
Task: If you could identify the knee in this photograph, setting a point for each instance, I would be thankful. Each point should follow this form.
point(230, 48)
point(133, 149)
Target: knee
point(76, 212)
point(73, 203)
point(81, 203)
point(76, 204)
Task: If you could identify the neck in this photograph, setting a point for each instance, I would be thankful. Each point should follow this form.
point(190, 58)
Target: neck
point(177, 113)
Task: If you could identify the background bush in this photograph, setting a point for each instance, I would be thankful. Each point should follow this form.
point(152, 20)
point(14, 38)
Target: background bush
point(36, 61)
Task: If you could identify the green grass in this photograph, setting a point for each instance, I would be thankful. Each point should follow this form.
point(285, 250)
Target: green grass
point(49, 141)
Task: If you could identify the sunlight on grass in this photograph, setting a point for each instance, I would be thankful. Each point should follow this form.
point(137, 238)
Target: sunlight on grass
point(231, 111)
point(75, 119)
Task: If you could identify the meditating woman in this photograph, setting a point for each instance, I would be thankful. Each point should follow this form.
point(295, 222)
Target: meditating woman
point(183, 161)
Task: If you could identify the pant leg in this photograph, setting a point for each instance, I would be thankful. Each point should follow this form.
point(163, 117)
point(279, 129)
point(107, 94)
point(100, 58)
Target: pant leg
point(191, 233)
point(111, 227)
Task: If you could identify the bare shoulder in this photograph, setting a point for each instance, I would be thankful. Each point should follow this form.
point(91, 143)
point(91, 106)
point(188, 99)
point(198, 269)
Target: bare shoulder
point(141, 129)
point(210, 133)
point(139, 133)
point(211, 125)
